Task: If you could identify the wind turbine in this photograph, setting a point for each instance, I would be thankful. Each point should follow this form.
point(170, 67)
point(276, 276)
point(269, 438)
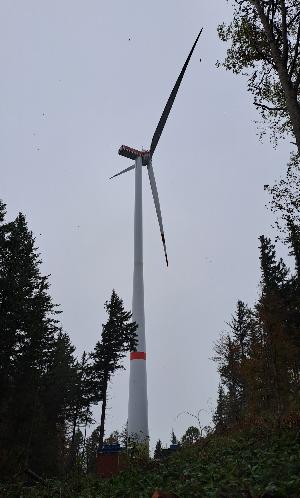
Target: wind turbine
point(138, 402)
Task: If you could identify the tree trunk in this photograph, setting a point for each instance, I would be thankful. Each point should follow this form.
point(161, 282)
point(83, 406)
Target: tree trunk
point(103, 410)
point(292, 105)
point(290, 93)
point(72, 449)
point(74, 426)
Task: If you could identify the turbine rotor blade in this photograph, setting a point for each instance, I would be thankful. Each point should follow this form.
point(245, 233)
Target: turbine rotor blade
point(157, 206)
point(124, 171)
point(170, 101)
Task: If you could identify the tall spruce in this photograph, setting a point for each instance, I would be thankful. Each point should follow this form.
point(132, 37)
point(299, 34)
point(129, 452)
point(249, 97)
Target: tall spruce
point(35, 358)
point(118, 338)
point(174, 439)
point(258, 359)
point(232, 356)
point(158, 450)
point(56, 393)
point(220, 418)
point(82, 396)
point(28, 330)
point(278, 348)
point(92, 444)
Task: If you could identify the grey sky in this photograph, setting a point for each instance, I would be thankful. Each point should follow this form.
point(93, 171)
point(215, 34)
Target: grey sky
point(73, 89)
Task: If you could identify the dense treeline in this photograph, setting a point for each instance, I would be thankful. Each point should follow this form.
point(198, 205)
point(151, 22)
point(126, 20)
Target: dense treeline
point(259, 357)
point(46, 393)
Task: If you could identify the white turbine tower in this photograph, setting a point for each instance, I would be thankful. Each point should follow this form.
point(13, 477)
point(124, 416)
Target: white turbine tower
point(138, 403)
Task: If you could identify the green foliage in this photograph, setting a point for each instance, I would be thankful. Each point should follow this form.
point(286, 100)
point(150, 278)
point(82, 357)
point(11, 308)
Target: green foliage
point(264, 45)
point(46, 394)
point(285, 204)
point(36, 358)
point(243, 464)
point(91, 450)
point(174, 439)
point(113, 438)
point(118, 337)
point(258, 360)
point(158, 450)
point(124, 436)
point(191, 436)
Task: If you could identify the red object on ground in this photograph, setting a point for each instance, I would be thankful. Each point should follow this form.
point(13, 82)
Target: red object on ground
point(110, 464)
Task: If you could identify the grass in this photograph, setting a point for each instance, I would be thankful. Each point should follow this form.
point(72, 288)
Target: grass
point(254, 463)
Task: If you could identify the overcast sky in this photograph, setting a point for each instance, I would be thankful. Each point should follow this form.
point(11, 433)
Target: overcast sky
point(78, 79)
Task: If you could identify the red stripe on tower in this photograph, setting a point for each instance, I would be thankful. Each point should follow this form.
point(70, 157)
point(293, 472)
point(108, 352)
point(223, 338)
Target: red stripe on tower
point(137, 355)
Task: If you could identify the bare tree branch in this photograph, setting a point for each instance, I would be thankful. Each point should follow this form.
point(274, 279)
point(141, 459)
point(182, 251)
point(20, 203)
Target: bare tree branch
point(267, 108)
point(293, 20)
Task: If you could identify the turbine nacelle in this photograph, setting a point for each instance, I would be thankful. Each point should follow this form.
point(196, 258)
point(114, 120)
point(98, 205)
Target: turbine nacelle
point(132, 153)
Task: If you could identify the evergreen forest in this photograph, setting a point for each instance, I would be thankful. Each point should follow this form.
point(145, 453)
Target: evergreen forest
point(48, 393)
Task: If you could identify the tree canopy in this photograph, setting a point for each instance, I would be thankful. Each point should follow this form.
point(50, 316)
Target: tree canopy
point(264, 44)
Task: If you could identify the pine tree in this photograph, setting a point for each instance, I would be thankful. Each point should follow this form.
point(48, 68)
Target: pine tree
point(174, 439)
point(258, 360)
point(220, 417)
point(57, 397)
point(35, 358)
point(234, 363)
point(91, 448)
point(278, 349)
point(158, 450)
point(27, 333)
point(274, 273)
point(285, 204)
point(228, 358)
point(118, 337)
point(241, 325)
point(82, 396)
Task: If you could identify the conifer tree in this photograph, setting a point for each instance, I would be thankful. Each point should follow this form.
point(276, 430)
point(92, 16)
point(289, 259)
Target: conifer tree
point(28, 329)
point(158, 450)
point(118, 338)
point(220, 417)
point(233, 355)
point(229, 366)
point(36, 358)
point(82, 396)
point(56, 394)
point(278, 350)
point(91, 447)
point(274, 272)
point(174, 439)
point(241, 325)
